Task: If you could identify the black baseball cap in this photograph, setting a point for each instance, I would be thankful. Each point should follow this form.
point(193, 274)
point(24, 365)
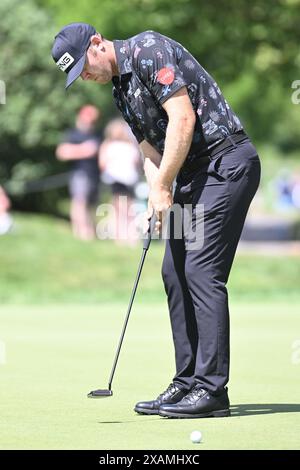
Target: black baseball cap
point(70, 48)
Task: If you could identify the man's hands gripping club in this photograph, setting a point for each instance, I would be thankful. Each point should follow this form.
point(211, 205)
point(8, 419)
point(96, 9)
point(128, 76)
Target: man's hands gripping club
point(160, 200)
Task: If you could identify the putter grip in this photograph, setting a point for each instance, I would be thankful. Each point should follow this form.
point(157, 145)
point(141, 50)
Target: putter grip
point(147, 240)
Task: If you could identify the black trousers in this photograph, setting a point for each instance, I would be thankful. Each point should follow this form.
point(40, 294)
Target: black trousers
point(195, 275)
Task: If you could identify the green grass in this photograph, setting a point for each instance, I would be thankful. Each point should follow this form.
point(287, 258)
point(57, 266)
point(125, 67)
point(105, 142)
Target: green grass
point(42, 263)
point(56, 354)
point(63, 304)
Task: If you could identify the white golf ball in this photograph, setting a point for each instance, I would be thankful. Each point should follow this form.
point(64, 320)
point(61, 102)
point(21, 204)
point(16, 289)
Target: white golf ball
point(196, 437)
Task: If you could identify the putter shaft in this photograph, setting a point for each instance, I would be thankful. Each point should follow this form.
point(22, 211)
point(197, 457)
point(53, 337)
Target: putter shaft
point(127, 317)
point(104, 393)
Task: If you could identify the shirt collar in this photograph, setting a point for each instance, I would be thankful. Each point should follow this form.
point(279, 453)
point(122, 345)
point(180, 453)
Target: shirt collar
point(122, 49)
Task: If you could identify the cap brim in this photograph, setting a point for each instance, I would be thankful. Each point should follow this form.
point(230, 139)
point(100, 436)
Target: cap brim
point(75, 71)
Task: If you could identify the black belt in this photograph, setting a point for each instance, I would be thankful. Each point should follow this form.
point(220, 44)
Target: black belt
point(204, 159)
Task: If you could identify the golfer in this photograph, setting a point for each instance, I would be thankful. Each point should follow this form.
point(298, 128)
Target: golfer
point(187, 132)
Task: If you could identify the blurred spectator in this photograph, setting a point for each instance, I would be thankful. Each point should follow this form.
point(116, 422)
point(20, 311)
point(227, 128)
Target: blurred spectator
point(120, 165)
point(283, 185)
point(296, 191)
point(5, 217)
point(80, 145)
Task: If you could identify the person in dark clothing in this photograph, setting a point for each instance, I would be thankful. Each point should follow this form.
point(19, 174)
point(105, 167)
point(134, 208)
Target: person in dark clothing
point(187, 132)
point(80, 146)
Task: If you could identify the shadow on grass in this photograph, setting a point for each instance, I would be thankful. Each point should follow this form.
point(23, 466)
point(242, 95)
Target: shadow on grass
point(128, 421)
point(264, 408)
point(236, 410)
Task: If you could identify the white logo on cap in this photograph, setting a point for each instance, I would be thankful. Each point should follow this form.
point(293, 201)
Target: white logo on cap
point(65, 61)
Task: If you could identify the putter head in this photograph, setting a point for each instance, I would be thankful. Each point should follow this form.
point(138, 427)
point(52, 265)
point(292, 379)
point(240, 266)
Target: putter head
point(100, 393)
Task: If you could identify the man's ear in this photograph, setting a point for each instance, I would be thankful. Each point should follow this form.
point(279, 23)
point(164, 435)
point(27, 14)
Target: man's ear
point(96, 40)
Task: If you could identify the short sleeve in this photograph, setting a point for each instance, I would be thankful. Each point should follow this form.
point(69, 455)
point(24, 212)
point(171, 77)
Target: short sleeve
point(155, 62)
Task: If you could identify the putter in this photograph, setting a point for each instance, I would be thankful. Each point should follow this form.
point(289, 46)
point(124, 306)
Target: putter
point(103, 393)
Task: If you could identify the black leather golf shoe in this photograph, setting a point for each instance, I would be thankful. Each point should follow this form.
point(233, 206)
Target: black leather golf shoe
point(172, 394)
point(198, 403)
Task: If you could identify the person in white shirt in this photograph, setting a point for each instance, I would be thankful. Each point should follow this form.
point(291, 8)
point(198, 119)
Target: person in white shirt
point(120, 165)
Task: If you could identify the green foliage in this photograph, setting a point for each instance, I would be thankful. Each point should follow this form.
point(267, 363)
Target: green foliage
point(251, 48)
point(37, 107)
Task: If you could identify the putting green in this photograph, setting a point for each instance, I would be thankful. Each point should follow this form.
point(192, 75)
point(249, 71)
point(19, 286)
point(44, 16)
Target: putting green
point(51, 356)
